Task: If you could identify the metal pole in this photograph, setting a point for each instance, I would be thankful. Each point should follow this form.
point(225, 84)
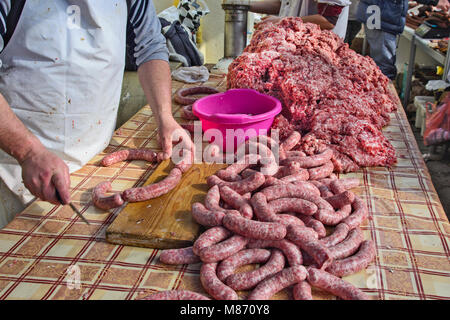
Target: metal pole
point(412, 59)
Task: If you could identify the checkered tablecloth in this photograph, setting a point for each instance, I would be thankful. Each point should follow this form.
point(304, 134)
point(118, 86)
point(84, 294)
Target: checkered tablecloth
point(46, 248)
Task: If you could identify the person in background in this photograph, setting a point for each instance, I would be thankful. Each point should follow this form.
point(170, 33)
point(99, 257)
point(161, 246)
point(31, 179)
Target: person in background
point(353, 26)
point(60, 82)
point(383, 40)
point(329, 15)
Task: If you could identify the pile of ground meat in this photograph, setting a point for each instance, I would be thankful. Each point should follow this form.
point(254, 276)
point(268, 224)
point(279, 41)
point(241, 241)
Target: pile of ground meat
point(335, 97)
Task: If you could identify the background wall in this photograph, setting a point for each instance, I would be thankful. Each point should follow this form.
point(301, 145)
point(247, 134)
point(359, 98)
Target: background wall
point(212, 28)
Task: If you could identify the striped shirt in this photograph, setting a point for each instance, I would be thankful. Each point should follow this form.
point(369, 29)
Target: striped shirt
point(145, 41)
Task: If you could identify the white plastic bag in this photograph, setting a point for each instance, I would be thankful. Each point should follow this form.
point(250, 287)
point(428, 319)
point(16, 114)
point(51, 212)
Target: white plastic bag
point(191, 74)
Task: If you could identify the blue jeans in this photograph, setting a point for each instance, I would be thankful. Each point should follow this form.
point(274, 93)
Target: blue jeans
point(383, 50)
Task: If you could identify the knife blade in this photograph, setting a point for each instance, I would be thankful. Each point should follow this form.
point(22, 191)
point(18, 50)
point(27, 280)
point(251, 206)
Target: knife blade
point(72, 207)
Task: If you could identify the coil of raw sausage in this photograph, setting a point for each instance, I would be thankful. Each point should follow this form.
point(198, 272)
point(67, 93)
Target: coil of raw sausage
point(325, 192)
point(304, 238)
point(231, 173)
point(339, 234)
point(228, 266)
point(261, 208)
point(236, 201)
point(249, 184)
point(289, 249)
point(254, 229)
point(105, 202)
point(188, 114)
point(153, 190)
point(296, 205)
point(181, 95)
point(311, 161)
point(332, 218)
point(176, 295)
point(212, 200)
point(179, 256)
point(349, 245)
point(355, 263)
point(301, 175)
point(302, 291)
point(314, 224)
point(210, 237)
point(288, 219)
point(129, 154)
point(248, 280)
point(290, 142)
point(205, 217)
point(288, 170)
point(283, 279)
point(211, 283)
point(330, 283)
point(297, 190)
point(341, 199)
point(321, 172)
point(359, 214)
point(222, 250)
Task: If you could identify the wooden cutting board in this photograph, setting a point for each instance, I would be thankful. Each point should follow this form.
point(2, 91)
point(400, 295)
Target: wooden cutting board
point(165, 222)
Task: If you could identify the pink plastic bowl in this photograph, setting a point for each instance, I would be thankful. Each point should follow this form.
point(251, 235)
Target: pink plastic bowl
point(245, 111)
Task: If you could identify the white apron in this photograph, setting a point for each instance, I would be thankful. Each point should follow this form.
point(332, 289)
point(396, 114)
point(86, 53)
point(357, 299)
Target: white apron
point(64, 81)
point(302, 8)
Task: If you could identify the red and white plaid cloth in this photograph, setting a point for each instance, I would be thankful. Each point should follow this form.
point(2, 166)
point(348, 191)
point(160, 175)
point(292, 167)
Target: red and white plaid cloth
point(45, 248)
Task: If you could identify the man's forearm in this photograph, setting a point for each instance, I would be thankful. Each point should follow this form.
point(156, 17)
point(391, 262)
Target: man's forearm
point(265, 6)
point(155, 79)
point(15, 138)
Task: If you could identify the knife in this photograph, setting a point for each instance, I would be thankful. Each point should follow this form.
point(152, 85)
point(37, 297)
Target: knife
point(71, 206)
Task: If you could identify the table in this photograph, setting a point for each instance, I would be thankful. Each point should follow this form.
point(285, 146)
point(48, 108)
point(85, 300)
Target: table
point(46, 248)
point(416, 41)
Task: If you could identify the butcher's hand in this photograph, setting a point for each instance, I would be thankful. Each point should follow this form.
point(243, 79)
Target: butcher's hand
point(43, 173)
point(169, 133)
point(266, 19)
point(443, 5)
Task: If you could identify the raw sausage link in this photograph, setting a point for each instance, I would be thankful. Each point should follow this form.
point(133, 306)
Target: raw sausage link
point(261, 208)
point(224, 249)
point(332, 218)
point(290, 169)
point(254, 229)
point(293, 205)
point(129, 154)
point(341, 199)
point(206, 217)
point(249, 184)
point(105, 202)
point(321, 172)
point(216, 288)
point(153, 190)
point(212, 200)
point(302, 291)
point(176, 295)
point(303, 237)
point(288, 219)
point(236, 201)
point(179, 256)
point(283, 279)
point(289, 249)
point(359, 214)
point(187, 113)
point(330, 283)
point(324, 190)
point(210, 237)
point(186, 161)
point(314, 224)
point(228, 266)
point(297, 190)
point(312, 161)
point(349, 246)
point(248, 280)
point(301, 175)
point(182, 93)
point(290, 142)
point(231, 173)
point(339, 234)
point(355, 263)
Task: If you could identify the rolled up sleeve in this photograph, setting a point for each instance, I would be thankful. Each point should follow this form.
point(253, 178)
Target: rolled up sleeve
point(145, 39)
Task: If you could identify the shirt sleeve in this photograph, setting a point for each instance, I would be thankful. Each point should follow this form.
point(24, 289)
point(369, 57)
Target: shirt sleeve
point(429, 2)
point(5, 7)
point(145, 39)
